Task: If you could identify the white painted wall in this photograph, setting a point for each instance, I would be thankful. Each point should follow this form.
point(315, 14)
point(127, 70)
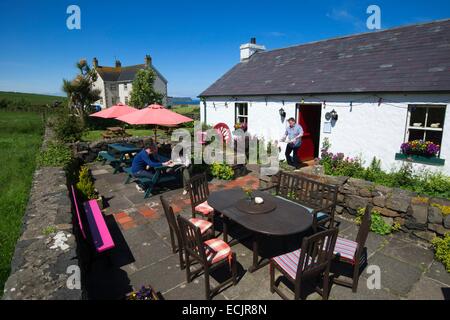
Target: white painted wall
point(120, 93)
point(367, 130)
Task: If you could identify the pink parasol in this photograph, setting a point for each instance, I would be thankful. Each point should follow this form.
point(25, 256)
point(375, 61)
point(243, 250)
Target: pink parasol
point(114, 111)
point(155, 115)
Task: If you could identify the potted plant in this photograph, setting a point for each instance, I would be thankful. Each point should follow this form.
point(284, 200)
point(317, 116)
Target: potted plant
point(145, 293)
point(87, 188)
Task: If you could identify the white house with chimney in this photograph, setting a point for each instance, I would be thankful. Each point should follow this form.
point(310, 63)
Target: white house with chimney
point(115, 83)
point(366, 93)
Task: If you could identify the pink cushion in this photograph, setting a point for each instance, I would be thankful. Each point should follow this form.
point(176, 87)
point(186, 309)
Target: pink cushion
point(204, 208)
point(203, 225)
point(105, 241)
point(345, 249)
point(217, 250)
point(289, 262)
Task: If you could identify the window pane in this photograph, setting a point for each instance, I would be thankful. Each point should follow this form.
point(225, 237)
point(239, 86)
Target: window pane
point(434, 136)
point(436, 117)
point(418, 115)
point(415, 135)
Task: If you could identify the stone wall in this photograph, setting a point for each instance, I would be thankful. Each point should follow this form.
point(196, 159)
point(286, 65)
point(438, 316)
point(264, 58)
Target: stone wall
point(47, 246)
point(422, 216)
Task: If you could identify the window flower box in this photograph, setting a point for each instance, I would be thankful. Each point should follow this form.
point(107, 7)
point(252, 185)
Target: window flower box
point(433, 160)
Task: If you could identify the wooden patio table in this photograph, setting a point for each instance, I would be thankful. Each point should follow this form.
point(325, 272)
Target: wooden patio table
point(288, 218)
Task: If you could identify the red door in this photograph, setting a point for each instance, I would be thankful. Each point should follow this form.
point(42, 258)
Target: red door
point(309, 119)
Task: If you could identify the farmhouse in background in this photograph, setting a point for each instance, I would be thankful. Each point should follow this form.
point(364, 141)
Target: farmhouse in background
point(366, 93)
point(115, 83)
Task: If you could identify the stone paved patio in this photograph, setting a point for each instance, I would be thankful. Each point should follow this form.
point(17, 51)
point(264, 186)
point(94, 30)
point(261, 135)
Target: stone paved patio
point(144, 256)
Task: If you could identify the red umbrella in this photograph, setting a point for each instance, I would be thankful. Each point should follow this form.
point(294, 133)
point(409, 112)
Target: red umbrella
point(114, 111)
point(156, 115)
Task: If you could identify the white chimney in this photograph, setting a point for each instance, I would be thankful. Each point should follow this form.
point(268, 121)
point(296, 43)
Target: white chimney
point(248, 49)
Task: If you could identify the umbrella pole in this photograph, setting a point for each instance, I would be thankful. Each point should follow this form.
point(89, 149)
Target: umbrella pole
point(156, 129)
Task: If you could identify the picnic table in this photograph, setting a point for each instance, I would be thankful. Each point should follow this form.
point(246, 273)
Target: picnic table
point(118, 154)
point(114, 132)
point(286, 218)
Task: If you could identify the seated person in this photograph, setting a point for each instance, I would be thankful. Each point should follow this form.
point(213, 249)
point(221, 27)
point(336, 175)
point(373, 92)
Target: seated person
point(145, 161)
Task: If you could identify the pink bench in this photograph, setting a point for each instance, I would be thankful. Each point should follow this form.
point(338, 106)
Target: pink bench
point(99, 232)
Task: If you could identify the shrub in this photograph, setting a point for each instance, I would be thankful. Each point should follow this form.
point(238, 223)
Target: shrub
point(442, 250)
point(56, 155)
point(68, 128)
point(86, 184)
point(444, 209)
point(222, 171)
point(431, 184)
point(378, 225)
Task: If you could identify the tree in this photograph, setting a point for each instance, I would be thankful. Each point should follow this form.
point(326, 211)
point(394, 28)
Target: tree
point(80, 92)
point(143, 93)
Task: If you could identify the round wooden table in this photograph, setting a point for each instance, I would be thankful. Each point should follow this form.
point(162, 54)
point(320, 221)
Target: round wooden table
point(288, 218)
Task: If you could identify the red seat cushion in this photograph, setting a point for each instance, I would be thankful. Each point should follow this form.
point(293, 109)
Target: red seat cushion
point(345, 249)
point(204, 208)
point(203, 225)
point(217, 250)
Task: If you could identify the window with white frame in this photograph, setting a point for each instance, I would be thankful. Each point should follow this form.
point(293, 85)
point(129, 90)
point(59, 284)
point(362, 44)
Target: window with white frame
point(241, 112)
point(425, 122)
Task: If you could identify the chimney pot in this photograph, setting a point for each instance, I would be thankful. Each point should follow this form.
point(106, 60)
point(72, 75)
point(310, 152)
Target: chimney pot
point(95, 62)
point(148, 60)
point(249, 49)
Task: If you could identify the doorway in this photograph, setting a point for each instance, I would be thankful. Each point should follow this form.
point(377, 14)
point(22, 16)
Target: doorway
point(308, 116)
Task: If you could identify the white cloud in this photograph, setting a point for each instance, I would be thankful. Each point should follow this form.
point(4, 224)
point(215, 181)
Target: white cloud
point(342, 15)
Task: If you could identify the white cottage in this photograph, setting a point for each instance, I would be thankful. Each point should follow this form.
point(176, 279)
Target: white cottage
point(366, 93)
point(115, 83)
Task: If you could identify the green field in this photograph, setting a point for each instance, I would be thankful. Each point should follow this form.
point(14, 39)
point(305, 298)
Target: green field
point(20, 140)
point(30, 98)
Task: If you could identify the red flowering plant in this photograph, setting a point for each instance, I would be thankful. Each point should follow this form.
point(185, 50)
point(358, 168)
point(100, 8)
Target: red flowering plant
point(421, 148)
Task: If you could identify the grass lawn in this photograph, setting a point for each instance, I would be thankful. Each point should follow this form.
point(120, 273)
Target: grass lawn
point(31, 98)
point(20, 140)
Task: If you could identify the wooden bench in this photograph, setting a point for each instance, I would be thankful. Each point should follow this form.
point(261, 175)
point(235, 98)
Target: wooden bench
point(99, 234)
point(148, 184)
point(319, 198)
point(113, 161)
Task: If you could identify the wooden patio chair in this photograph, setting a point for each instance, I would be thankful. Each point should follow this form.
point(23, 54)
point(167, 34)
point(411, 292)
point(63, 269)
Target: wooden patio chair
point(353, 253)
point(210, 254)
point(312, 261)
point(199, 192)
point(205, 227)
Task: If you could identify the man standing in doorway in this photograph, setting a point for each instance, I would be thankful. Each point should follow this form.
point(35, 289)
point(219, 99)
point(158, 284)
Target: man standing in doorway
point(293, 137)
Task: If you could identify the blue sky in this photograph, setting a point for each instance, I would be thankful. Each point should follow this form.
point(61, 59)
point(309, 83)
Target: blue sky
point(192, 42)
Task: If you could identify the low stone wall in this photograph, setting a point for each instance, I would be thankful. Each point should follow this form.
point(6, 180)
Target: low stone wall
point(47, 246)
point(419, 215)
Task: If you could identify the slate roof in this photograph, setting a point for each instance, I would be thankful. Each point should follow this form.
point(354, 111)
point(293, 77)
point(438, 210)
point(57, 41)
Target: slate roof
point(414, 58)
point(123, 74)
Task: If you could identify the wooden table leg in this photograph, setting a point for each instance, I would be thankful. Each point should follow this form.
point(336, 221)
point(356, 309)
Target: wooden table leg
point(225, 228)
point(257, 264)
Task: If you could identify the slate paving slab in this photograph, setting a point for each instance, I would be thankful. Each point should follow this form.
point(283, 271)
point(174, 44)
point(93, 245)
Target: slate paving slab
point(428, 289)
point(396, 276)
point(438, 273)
point(409, 252)
point(162, 275)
